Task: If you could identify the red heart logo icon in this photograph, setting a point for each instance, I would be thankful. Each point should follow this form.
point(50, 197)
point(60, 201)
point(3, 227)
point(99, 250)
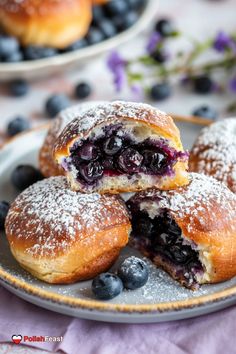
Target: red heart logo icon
point(16, 339)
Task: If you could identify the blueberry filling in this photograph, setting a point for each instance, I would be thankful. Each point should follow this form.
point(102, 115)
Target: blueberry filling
point(115, 152)
point(161, 237)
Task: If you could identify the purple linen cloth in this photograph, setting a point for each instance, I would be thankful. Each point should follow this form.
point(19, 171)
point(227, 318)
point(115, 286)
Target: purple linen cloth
point(210, 334)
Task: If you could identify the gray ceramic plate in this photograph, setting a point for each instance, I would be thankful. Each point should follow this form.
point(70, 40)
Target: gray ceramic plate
point(161, 299)
point(59, 63)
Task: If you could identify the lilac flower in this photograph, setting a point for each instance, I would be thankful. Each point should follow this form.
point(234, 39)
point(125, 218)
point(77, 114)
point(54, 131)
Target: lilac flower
point(222, 41)
point(232, 84)
point(117, 66)
point(153, 41)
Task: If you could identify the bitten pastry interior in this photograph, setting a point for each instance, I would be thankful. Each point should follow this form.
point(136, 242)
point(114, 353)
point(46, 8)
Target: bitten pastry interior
point(122, 146)
point(61, 236)
point(190, 232)
point(47, 165)
point(214, 152)
point(54, 23)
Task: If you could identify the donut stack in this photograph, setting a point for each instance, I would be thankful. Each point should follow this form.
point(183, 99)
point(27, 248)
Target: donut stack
point(72, 225)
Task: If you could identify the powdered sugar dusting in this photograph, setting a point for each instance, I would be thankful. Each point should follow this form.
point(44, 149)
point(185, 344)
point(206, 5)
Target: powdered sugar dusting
point(52, 217)
point(215, 152)
point(112, 112)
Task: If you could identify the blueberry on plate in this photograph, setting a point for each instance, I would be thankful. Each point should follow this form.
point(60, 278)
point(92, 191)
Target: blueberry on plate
point(25, 175)
point(116, 7)
point(19, 87)
point(136, 4)
point(98, 15)
point(33, 52)
point(55, 104)
point(94, 36)
point(82, 90)
point(14, 57)
point(126, 21)
point(165, 28)
point(4, 207)
point(133, 272)
point(106, 286)
point(205, 112)
point(160, 91)
point(81, 43)
point(17, 125)
point(8, 46)
point(107, 28)
point(203, 84)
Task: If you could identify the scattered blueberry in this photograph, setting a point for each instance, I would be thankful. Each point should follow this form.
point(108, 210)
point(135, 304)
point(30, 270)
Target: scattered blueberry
point(94, 36)
point(160, 91)
point(17, 125)
point(107, 28)
point(4, 207)
point(116, 7)
point(8, 46)
point(33, 52)
point(165, 28)
point(82, 90)
point(205, 112)
point(25, 175)
point(55, 104)
point(133, 273)
point(203, 84)
point(19, 88)
point(81, 43)
point(106, 286)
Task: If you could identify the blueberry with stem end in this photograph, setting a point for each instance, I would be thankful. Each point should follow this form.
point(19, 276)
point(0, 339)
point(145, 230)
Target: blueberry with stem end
point(133, 272)
point(106, 286)
point(24, 176)
point(4, 208)
point(17, 125)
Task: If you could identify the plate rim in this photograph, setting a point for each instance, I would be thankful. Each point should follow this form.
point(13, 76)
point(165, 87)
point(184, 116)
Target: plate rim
point(86, 304)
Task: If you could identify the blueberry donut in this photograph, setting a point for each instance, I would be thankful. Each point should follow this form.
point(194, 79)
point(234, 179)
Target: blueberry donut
point(47, 165)
point(46, 22)
point(190, 232)
point(61, 236)
point(214, 152)
point(122, 147)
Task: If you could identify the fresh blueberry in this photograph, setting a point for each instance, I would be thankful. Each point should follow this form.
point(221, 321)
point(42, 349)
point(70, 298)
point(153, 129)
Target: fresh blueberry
point(158, 56)
point(82, 90)
point(25, 175)
point(107, 28)
point(203, 84)
point(136, 4)
point(98, 15)
point(126, 21)
point(81, 43)
point(205, 112)
point(91, 172)
point(55, 104)
point(33, 52)
point(112, 145)
point(160, 91)
point(130, 160)
point(8, 46)
point(117, 7)
point(88, 152)
point(4, 207)
point(14, 57)
point(19, 88)
point(106, 286)
point(94, 36)
point(133, 272)
point(165, 28)
point(17, 125)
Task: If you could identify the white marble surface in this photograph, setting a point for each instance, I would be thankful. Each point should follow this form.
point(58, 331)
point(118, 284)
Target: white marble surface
point(198, 18)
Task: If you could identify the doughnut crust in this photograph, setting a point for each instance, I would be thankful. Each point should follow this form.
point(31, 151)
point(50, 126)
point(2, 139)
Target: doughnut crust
point(47, 165)
point(214, 152)
point(127, 120)
point(61, 236)
point(205, 215)
point(53, 23)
